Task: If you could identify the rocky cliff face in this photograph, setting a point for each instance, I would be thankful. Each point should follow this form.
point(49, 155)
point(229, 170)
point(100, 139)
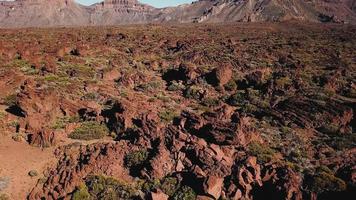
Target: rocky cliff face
point(257, 10)
point(29, 13)
point(112, 12)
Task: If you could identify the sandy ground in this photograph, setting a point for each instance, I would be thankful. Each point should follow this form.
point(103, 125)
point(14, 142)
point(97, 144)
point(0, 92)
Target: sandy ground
point(16, 160)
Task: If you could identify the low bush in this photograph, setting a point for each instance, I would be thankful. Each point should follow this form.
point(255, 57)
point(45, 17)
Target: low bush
point(175, 86)
point(10, 100)
point(101, 187)
point(324, 180)
point(150, 185)
point(4, 197)
point(167, 115)
point(231, 85)
point(210, 102)
point(136, 158)
point(169, 185)
point(148, 87)
point(81, 193)
point(185, 193)
point(238, 99)
point(193, 92)
point(90, 130)
point(2, 115)
point(61, 122)
point(264, 154)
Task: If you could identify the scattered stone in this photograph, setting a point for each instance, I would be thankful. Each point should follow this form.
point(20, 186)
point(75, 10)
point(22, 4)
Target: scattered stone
point(159, 195)
point(4, 183)
point(33, 173)
point(221, 75)
point(213, 186)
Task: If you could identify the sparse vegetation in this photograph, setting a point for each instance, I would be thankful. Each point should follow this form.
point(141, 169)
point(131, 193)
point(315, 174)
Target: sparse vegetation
point(167, 115)
point(194, 92)
point(90, 130)
point(324, 180)
point(61, 122)
point(2, 115)
point(175, 86)
point(102, 187)
point(231, 85)
point(263, 153)
point(288, 100)
point(4, 197)
point(169, 185)
point(81, 193)
point(185, 193)
point(136, 158)
point(10, 100)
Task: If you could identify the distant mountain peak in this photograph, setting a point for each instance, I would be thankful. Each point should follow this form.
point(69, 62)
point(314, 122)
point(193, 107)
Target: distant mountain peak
point(27, 13)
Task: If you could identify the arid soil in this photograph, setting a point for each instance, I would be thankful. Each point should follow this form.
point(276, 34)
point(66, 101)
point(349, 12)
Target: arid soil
point(178, 112)
point(17, 160)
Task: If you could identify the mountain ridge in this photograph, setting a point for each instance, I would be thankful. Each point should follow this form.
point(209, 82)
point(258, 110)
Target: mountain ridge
point(49, 13)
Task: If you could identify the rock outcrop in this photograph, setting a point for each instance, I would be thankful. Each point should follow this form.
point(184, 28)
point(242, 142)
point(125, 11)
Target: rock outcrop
point(46, 13)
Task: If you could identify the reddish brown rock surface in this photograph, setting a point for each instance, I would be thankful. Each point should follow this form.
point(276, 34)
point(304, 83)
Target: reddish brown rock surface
point(132, 112)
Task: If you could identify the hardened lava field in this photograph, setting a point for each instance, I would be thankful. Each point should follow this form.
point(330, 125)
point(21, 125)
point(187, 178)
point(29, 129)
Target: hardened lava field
point(178, 112)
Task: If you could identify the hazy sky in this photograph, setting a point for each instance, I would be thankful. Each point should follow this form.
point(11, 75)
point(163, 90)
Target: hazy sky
point(155, 3)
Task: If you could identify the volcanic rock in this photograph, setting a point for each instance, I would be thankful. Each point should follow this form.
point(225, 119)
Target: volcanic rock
point(213, 186)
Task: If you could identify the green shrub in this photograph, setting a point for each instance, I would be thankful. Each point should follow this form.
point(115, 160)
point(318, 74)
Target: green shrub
point(91, 96)
point(193, 92)
point(101, 187)
point(150, 185)
point(2, 115)
point(330, 129)
point(89, 131)
point(325, 180)
point(148, 87)
point(60, 81)
point(163, 98)
point(81, 193)
point(169, 185)
point(18, 137)
point(61, 122)
point(14, 123)
point(167, 115)
point(346, 141)
point(185, 193)
point(249, 108)
point(10, 100)
point(136, 158)
point(175, 86)
point(283, 82)
point(24, 66)
point(210, 102)
point(264, 154)
point(4, 197)
point(230, 86)
point(238, 99)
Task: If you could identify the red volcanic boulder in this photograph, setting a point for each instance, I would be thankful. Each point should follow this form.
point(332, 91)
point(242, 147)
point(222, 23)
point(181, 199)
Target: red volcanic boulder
point(221, 75)
point(213, 186)
point(42, 138)
point(162, 164)
point(159, 195)
point(246, 176)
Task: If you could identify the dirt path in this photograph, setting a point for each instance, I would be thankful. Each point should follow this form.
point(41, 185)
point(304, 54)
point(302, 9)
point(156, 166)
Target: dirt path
point(16, 160)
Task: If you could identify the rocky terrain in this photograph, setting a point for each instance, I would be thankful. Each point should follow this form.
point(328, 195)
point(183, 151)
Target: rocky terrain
point(48, 13)
point(178, 112)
